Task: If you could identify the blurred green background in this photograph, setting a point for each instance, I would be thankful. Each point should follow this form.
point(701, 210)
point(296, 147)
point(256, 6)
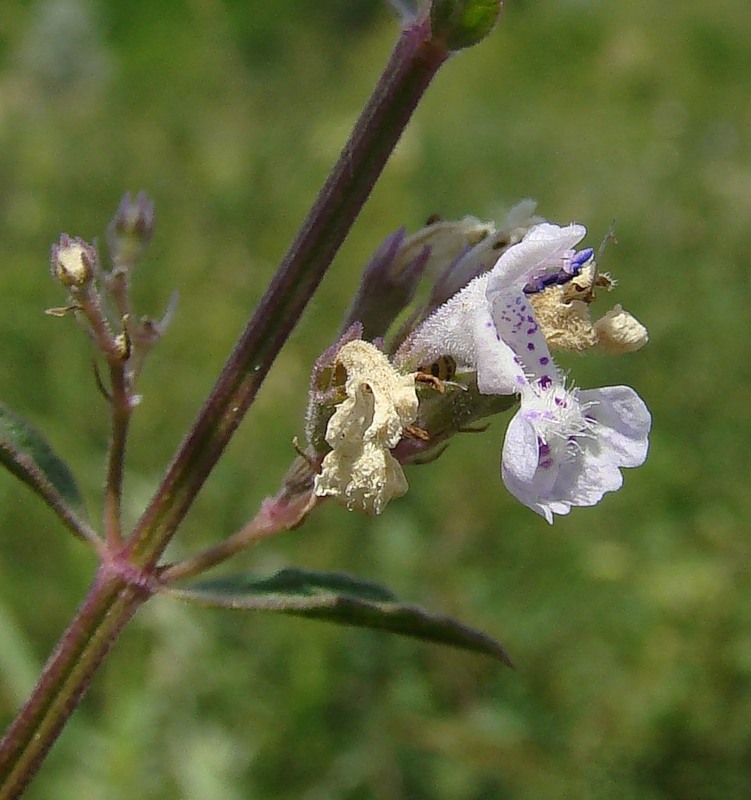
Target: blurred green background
point(630, 623)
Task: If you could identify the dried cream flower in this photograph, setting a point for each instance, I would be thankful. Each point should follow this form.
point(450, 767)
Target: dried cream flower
point(620, 332)
point(360, 470)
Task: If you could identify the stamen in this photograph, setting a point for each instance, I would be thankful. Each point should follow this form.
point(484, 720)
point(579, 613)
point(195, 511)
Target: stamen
point(580, 259)
point(571, 267)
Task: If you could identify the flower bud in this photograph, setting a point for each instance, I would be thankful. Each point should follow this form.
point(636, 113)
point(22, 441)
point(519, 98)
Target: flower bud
point(390, 279)
point(463, 23)
point(131, 229)
point(387, 286)
point(562, 308)
point(73, 262)
point(447, 240)
point(482, 251)
point(326, 389)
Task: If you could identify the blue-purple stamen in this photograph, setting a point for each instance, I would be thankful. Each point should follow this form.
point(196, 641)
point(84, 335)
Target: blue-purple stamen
point(571, 268)
point(579, 259)
point(540, 284)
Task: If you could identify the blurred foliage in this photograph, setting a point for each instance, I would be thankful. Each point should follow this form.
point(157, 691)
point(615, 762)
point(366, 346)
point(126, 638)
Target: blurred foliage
point(630, 623)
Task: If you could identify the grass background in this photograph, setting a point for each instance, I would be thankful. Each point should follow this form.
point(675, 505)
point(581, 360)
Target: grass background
point(630, 622)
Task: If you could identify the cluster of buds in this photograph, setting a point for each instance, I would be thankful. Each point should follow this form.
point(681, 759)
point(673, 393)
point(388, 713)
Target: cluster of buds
point(100, 296)
point(407, 375)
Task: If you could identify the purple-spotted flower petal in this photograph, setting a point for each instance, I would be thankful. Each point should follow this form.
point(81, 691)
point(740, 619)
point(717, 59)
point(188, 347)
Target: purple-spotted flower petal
point(546, 250)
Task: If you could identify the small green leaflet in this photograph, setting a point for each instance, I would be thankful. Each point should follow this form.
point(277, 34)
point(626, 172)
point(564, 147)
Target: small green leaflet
point(338, 598)
point(26, 453)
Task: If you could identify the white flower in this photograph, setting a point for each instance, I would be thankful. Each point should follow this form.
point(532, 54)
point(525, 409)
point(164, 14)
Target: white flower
point(565, 448)
point(360, 470)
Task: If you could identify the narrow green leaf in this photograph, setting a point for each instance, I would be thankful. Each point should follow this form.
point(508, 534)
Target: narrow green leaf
point(463, 23)
point(26, 453)
point(342, 599)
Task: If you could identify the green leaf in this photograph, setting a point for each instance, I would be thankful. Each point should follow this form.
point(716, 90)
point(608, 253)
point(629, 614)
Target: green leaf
point(26, 453)
point(463, 23)
point(338, 598)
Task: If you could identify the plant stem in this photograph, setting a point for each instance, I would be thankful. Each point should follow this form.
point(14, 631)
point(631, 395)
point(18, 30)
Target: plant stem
point(413, 63)
point(273, 517)
point(110, 604)
point(120, 403)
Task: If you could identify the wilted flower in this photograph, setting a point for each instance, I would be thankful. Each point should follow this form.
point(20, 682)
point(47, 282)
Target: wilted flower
point(620, 332)
point(380, 403)
point(563, 311)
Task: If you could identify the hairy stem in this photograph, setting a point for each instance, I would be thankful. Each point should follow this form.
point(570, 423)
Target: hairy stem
point(274, 517)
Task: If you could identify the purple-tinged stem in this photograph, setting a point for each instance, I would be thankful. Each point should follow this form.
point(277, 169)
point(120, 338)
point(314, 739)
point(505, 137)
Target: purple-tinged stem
point(121, 410)
point(109, 606)
point(413, 63)
point(275, 515)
